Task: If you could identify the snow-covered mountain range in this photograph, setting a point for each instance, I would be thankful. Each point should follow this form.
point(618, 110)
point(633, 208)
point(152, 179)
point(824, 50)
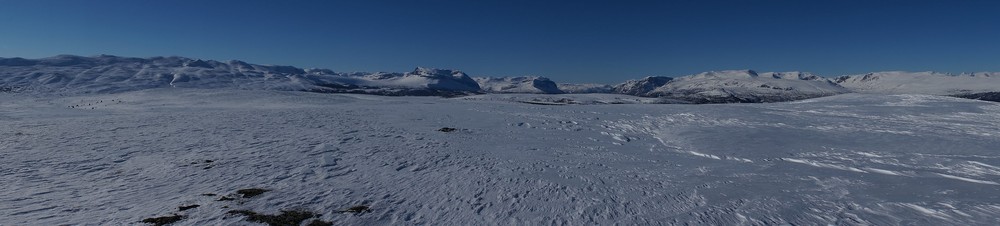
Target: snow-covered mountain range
point(900, 82)
point(747, 86)
point(113, 74)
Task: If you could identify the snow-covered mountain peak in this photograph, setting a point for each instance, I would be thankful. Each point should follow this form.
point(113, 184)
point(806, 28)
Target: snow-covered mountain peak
point(438, 73)
point(640, 87)
point(198, 63)
point(980, 74)
point(723, 74)
point(442, 79)
point(523, 84)
point(794, 75)
point(747, 86)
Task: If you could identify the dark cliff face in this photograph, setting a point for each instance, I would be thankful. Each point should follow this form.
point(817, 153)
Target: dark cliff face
point(546, 85)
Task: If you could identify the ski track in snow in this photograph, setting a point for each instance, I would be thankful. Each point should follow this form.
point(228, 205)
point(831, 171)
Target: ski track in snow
point(846, 160)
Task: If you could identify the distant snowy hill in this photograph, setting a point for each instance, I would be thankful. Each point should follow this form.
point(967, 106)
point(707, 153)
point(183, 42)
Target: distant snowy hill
point(585, 88)
point(527, 84)
point(112, 74)
point(734, 86)
point(981, 85)
point(641, 87)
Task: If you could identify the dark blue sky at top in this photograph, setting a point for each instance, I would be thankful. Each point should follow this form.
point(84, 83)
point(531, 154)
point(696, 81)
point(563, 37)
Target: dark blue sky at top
point(569, 41)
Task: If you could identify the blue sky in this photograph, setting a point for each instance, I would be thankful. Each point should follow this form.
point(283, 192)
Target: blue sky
point(569, 41)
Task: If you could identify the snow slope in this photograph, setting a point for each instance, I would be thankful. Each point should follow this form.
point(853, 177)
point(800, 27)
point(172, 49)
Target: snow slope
point(900, 82)
point(747, 86)
point(853, 159)
point(529, 84)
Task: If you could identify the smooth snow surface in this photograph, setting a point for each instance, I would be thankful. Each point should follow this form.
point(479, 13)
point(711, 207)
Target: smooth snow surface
point(850, 159)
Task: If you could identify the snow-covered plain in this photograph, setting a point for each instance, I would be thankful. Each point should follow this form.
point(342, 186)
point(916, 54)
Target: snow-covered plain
point(851, 159)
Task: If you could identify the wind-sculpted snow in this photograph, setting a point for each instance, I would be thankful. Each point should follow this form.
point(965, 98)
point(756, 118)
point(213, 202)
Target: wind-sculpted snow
point(115, 159)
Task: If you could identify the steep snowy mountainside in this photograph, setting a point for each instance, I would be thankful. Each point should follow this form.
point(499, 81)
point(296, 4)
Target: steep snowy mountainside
point(747, 86)
point(526, 84)
point(585, 88)
point(112, 74)
point(641, 87)
point(935, 83)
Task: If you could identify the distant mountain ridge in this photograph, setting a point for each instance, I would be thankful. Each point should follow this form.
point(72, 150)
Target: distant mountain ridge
point(747, 86)
point(110, 74)
point(527, 84)
point(922, 82)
